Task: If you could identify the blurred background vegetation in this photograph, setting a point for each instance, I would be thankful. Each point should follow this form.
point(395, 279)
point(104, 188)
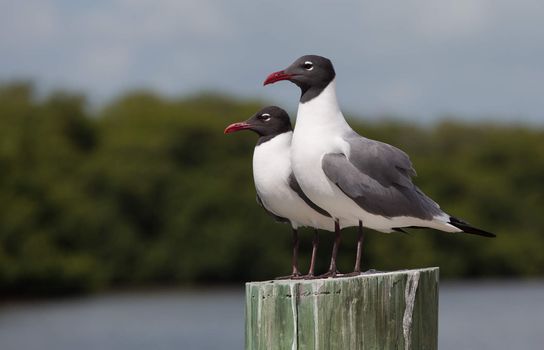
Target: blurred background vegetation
point(147, 191)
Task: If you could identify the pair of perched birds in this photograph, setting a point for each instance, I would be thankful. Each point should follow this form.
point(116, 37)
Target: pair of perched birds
point(324, 175)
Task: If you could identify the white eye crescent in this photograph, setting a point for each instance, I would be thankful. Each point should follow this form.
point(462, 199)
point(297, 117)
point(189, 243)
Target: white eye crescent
point(308, 65)
point(265, 117)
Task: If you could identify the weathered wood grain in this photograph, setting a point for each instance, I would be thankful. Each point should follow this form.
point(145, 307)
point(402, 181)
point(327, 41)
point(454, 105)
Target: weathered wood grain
point(393, 310)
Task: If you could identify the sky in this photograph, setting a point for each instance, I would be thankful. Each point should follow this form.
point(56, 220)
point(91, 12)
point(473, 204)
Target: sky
point(414, 60)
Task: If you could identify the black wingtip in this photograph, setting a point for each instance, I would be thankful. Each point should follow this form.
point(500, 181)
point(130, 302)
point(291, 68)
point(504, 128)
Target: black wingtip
point(467, 228)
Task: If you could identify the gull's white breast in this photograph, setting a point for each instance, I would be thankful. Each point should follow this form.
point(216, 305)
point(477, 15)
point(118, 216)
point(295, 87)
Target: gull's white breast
point(271, 171)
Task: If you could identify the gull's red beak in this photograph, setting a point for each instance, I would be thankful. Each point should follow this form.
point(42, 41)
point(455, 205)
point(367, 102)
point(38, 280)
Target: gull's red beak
point(237, 127)
point(277, 76)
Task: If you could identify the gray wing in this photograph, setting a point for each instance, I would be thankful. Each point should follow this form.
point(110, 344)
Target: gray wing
point(385, 163)
point(276, 217)
point(377, 176)
point(293, 183)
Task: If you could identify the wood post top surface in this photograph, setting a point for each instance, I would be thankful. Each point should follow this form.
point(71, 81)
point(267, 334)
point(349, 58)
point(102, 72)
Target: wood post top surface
point(341, 279)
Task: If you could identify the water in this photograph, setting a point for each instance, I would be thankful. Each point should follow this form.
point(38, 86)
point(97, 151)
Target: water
point(497, 315)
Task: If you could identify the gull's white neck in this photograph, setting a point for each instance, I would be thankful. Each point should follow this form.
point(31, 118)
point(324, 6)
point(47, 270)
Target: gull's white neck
point(322, 112)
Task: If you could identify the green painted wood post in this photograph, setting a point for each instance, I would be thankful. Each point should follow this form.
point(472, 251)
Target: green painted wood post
point(391, 310)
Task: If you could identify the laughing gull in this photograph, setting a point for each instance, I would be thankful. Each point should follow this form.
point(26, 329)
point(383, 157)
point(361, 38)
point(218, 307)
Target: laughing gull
point(350, 176)
point(278, 192)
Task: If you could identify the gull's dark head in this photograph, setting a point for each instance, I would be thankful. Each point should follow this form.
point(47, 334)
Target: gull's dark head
point(268, 122)
point(311, 73)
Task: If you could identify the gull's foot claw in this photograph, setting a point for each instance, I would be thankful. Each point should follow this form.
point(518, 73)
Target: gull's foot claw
point(295, 276)
point(309, 277)
point(330, 274)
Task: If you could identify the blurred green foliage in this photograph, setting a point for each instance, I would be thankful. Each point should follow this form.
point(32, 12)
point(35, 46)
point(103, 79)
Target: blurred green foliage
point(148, 191)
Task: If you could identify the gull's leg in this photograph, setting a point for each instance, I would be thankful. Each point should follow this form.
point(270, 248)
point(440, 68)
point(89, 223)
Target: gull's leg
point(359, 255)
point(333, 271)
point(315, 244)
point(360, 239)
point(295, 272)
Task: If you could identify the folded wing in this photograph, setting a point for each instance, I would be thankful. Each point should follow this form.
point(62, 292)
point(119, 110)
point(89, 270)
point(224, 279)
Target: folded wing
point(377, 177)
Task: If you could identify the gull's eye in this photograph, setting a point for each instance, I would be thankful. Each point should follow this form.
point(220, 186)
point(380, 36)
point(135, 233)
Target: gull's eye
point(308, 65)
point(264, 117)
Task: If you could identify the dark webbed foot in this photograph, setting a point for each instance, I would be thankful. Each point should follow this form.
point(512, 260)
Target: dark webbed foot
point(330, 274)
point(309, 277)
point(295, 276)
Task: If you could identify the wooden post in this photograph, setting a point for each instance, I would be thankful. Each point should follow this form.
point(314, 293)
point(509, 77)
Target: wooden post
point(390, 310)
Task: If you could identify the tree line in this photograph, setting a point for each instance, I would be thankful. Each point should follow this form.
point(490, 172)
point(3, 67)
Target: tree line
point(147, 191)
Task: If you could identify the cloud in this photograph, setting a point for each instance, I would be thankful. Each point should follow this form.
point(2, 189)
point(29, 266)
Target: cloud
point(398, 57)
